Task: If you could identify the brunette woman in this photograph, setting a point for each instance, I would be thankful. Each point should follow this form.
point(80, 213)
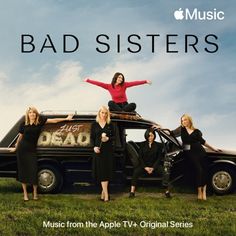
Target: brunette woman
point(150, 154)
point(117, 89)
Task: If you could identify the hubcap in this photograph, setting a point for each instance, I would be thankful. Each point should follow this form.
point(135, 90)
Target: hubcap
point(222, 180)
point(46, 179)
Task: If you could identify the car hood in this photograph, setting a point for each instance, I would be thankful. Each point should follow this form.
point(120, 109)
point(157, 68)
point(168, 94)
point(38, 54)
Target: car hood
point(223, 151)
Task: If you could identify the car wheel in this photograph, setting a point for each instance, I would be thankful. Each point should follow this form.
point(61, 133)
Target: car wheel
point(50, 179)
point(222, 180)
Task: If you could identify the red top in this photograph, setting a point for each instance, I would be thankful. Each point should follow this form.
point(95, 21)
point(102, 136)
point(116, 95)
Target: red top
point(118, 93)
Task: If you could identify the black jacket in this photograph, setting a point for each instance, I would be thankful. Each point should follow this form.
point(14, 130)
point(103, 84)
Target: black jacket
point(150, 157)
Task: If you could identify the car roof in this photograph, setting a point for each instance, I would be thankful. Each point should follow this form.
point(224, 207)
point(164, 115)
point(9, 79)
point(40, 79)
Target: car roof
point(129, 120)
point(91, 115)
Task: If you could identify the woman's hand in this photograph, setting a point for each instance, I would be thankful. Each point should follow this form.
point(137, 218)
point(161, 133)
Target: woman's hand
point(156, 127)
point(216, 150)
point(149, 82)
point(96, 149)
point(149, 170)
point(70, 117)
point(12, 149)
point(212, 148)
point(86, 79)
point(104, 138)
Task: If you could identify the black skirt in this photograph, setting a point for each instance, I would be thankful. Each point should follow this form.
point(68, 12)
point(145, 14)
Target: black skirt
point(103, 163)
point(27, 164)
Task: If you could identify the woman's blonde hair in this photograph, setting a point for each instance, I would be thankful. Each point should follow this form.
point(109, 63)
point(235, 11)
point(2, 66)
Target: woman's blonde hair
point(104, 108)
point(189, 118)
point(27, 120)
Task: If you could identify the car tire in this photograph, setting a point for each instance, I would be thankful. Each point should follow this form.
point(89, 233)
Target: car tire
point(50, 179)
point(222, 180)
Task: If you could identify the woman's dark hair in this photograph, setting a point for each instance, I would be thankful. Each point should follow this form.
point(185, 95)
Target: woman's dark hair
point(115, 78)
point(149, 130)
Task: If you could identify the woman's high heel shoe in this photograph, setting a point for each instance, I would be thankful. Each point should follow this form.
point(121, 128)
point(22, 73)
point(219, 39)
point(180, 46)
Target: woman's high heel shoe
point(35, 197)
point(26, 199)
point(167, 194)
point(107, 200)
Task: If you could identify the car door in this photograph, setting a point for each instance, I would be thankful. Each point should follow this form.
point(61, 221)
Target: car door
point(174, 163)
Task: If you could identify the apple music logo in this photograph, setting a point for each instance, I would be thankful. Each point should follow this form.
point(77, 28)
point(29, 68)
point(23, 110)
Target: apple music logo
point(196, 14)
point(179, 14)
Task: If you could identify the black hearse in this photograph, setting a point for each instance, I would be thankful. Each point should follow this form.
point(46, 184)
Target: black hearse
point(65, 151)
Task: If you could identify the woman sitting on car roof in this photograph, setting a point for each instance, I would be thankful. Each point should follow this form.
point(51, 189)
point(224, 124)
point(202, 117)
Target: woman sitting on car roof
point(117, 89)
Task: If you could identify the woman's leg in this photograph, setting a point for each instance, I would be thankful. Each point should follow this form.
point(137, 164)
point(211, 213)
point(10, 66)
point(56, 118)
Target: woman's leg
point(114, 106)
point(199, 193)
point(35, 192)
point(132, 189)
point(136, 174)
point(199, 172)
point(129, 107)
point(102, 195)
point(204, 177)
point(105, 190)
point(204, 192)
point(201, 169)
point(165, 180)
point(25, 192)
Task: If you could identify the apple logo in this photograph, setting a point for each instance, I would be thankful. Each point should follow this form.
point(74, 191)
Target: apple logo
point(179, 14)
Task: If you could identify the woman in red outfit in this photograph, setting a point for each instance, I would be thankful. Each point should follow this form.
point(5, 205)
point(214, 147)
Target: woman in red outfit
point(117, 89)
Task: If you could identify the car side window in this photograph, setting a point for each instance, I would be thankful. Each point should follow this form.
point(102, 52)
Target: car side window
point(169, 145)
point(137, 135)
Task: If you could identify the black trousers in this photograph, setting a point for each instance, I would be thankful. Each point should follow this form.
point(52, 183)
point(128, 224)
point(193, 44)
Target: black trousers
point(140, 171)
point(125, 106)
